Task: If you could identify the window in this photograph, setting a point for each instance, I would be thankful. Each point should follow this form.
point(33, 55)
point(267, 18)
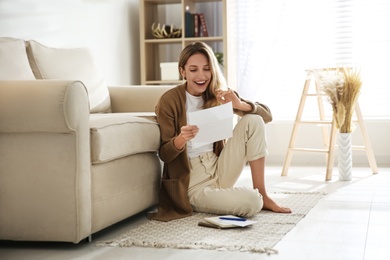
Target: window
point(278, 39)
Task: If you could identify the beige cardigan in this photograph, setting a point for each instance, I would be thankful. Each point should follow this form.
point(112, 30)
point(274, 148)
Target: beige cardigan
point(171, 116)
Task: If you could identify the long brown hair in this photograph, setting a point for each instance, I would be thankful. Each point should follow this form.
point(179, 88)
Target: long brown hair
point(217, 81)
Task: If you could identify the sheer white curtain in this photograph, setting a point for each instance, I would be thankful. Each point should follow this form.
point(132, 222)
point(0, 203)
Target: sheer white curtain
point(278, 39)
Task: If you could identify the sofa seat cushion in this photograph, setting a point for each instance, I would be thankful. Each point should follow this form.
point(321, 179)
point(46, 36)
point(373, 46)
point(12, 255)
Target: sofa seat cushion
point(116, 135)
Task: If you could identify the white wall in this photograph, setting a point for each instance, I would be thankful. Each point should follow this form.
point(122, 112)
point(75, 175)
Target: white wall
point(110, 28)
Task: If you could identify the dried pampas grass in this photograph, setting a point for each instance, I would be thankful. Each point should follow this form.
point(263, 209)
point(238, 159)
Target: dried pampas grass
point(342, 86)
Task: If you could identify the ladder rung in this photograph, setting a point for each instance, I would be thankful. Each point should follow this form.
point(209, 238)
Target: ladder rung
point(317, 122)
point(315, 95)
point(309, 150)
point(358, 147)
point(355, 147)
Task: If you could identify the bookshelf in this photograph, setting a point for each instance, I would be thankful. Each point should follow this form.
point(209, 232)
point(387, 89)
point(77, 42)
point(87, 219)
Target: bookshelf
point(154, 51)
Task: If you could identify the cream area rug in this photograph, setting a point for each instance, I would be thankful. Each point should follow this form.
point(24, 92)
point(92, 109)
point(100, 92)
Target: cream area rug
point(186, 234)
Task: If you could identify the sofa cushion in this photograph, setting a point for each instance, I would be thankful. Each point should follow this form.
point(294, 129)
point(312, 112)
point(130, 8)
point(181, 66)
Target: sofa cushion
point(70, 64)
point(118, 135)
point(13, 60)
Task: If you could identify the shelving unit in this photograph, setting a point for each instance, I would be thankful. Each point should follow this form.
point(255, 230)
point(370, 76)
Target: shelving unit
point(154, 51)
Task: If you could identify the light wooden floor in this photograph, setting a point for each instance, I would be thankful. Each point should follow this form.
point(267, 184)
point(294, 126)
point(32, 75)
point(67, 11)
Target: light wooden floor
point(351, 222)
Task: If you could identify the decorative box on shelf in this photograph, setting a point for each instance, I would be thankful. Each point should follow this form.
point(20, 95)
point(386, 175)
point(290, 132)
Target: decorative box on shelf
point(169, 71)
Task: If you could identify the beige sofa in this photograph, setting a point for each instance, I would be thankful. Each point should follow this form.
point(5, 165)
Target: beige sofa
point(76, 156)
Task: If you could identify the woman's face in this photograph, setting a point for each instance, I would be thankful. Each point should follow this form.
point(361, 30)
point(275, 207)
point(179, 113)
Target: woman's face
point(198, 74)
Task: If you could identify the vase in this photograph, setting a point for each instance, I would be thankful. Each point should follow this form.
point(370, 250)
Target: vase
point(344, 142)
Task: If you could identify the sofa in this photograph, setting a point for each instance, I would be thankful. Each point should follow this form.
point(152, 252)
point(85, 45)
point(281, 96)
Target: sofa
point(76, 155)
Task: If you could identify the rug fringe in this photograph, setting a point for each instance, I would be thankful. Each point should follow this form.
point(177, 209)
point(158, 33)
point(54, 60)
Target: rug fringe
point(270, 251)
point(267, 250)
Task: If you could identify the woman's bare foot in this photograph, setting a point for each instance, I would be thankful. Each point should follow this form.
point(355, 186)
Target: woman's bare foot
point(269, 204)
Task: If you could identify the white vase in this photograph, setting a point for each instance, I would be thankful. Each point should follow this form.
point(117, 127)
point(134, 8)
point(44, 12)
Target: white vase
point(344, 141)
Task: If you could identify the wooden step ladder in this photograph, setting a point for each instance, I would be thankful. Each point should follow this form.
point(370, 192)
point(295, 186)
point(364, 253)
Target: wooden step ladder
point(328, 138)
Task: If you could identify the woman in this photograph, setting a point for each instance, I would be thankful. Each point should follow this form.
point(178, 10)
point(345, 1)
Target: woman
point(202, 179)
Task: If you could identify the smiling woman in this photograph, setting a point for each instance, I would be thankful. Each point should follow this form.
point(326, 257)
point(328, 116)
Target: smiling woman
point(202, 177)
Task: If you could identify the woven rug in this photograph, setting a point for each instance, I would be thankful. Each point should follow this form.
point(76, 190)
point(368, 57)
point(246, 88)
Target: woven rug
point(186, 234)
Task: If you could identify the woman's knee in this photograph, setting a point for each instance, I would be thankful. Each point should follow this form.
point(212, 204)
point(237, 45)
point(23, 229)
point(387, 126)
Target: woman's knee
point(252, 120)
point(253, 124)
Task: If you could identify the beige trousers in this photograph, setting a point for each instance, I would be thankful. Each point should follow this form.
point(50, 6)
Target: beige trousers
point(212, 178)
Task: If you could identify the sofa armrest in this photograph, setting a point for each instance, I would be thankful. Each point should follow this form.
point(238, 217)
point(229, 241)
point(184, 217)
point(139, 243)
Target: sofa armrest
point(45, 161)
point(132, 98)
point(42, 106)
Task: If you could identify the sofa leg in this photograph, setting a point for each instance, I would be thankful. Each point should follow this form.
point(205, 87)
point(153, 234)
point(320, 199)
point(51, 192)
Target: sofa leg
point(89, 239)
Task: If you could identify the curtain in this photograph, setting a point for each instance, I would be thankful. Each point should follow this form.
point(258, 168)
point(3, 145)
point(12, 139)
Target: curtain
point(277, 40)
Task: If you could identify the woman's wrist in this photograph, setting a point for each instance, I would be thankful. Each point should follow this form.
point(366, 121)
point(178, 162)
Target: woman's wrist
point(245, 107)
point(179, 142)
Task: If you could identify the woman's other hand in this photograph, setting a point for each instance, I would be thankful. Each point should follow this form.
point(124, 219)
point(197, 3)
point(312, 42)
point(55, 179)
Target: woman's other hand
point(225, 96)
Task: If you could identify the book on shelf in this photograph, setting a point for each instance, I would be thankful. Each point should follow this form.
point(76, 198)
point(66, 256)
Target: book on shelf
point(189, 23)
point(203, 27)
point(195, 25)
point(227, 221)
